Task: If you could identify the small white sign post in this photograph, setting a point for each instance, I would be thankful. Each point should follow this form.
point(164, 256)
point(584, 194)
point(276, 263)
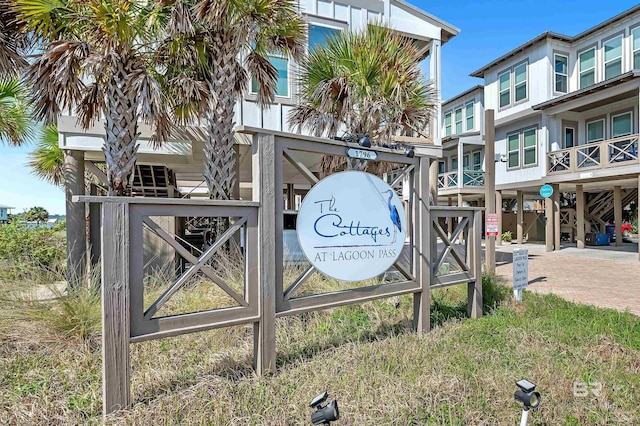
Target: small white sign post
point(520, 272)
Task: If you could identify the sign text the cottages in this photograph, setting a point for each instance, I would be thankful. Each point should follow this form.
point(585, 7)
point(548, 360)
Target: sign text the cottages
point(351, 226)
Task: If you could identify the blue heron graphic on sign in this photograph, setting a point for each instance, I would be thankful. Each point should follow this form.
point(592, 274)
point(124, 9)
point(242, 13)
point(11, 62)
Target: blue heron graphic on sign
point(394, 215)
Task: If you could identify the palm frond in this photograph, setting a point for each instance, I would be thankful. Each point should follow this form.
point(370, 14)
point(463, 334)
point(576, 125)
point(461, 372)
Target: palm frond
point(15, 121)
point(55, 78)
point(47, 159)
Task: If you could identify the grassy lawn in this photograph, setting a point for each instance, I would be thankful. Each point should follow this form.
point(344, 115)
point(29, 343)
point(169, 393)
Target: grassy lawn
point(365, 356)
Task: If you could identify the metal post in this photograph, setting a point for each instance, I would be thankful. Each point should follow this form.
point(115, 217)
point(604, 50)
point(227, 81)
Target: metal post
point(490, 183)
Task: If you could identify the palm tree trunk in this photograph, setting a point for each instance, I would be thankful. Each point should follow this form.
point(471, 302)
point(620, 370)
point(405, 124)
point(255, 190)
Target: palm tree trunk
point(219, 166)
point(120, 147)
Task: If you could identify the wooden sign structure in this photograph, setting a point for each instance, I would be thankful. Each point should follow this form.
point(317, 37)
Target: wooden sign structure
point(127, 318)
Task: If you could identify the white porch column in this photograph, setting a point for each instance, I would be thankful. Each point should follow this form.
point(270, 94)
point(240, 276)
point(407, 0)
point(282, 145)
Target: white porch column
point(580, 216)
point(460, 164)
point(499, 211)
point(617, 213)
point(434, 75)
point(556, 216)
point(520, 216)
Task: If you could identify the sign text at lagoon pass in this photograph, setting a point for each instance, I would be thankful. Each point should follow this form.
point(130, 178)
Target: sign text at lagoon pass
point(351, 226)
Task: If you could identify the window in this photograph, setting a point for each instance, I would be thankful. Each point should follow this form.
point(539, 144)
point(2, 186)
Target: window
point(318, 35)
point(569, 137)
point(621, 125)
point(447, 124)
point(612, 57)
point(522, 143)
point(477, 161)
point(513, 147)
point(595, 131)
point(469, 116)
point(465, 162)
point(561, 72)
point(458, 114)
point(441, 167)
point(529, 147)
point(454, 164)
point(587, 64)
point(635, 40)
point(505, 88)
point(282, 68)
point(520, 81)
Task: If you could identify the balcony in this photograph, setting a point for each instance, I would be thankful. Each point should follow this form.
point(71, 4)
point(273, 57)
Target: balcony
point(621, 151)
point(471, 179)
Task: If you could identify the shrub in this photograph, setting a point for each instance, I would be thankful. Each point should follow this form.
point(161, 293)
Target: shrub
point(493, 294)
point(507, 237)
point(33, 251)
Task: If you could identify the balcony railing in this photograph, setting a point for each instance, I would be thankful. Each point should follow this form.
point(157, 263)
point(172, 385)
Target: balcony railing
point(598, 155)
point(471, 179)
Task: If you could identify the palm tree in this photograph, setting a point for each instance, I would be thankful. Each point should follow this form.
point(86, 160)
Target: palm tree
point(15, 122)
point(14, 42)
point(97, 60)
point(366, 82)
point(47, 159)
point(211, 50)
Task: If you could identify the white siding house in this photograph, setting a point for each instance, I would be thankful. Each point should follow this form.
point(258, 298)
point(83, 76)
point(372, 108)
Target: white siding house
point(183, 155)
point(567, 114)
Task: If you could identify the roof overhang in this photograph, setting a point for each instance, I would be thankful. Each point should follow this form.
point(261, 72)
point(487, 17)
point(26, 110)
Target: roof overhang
point(448, 31)
point(596, 88)
point(478, 88)
point(542, 37)
point(555, 36)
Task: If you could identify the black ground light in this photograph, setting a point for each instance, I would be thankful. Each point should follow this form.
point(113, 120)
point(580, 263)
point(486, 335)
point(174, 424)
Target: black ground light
point(528, 397)
point(324, 415)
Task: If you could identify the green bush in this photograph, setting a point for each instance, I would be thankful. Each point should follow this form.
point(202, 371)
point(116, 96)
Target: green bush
point(507, 237)
point(35, 251)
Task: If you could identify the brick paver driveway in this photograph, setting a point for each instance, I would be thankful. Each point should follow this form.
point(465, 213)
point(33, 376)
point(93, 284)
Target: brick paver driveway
point(594, 278)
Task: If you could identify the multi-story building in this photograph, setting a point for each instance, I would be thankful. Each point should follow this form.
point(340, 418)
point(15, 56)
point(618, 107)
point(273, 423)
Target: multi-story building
point(461, 170)
point(176, 168)
point(566, 114)
point(182, 158)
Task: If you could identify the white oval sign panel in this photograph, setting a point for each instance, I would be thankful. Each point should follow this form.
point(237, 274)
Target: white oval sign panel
point(351, 226)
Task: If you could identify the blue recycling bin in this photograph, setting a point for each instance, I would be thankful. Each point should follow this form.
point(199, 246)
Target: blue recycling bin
point(611, 232)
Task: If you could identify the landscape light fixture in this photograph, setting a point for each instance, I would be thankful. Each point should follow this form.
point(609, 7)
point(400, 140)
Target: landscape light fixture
point(528, 397)
point(365, 142)
point(324, 415)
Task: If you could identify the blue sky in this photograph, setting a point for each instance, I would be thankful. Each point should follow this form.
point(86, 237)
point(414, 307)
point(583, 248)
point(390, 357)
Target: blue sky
point(489, 29)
